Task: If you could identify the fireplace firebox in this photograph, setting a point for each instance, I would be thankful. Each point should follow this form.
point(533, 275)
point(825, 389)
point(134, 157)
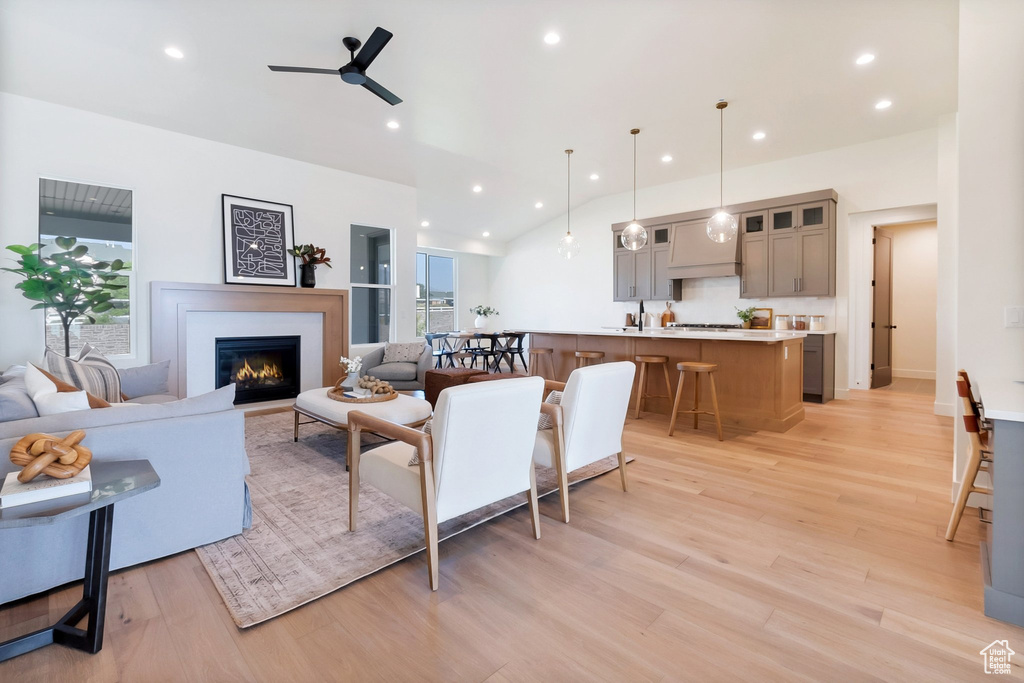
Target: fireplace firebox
point(261, 368)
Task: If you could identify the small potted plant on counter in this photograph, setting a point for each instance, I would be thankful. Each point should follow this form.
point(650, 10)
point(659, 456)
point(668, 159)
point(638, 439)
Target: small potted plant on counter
point(482, 314)
point(312, 256)
point(746, 315)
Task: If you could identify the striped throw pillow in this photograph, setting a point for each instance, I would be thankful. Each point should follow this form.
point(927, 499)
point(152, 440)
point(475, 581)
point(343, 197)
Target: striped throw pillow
point(90, 371)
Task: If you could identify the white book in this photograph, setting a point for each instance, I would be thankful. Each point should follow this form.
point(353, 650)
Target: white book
point(42, 488)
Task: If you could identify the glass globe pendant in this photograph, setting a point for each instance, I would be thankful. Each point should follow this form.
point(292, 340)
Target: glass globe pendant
point(634, 236)
point(723, 226)
point(568, 246)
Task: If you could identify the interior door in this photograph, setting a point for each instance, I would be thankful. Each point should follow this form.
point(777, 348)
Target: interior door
point(881, 319)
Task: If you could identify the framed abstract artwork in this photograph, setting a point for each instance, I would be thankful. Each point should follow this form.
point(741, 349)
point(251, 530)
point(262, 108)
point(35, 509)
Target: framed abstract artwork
point(257, 237)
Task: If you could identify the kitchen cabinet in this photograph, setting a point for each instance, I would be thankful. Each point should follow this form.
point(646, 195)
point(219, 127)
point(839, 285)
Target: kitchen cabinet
point(819, 367)
point(753, 255)
point(643, 274)
point(800, 263)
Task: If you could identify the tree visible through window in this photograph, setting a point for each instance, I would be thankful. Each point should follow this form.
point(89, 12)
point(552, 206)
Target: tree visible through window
point(435, 294)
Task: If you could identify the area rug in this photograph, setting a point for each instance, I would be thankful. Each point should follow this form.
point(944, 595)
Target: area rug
point(299, 547)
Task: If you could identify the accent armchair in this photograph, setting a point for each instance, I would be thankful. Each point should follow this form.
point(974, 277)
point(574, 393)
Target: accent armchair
point(479, 451)
point(402, 376)
point(587, 423)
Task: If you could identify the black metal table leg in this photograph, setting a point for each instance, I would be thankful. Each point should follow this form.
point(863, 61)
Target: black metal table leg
point(93, 603)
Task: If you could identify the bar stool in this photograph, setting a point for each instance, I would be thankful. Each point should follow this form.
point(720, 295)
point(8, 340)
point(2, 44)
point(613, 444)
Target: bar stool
point(641, 387)
point(536, 354)
point(697, 369)
point(979, 458)
point(585, 358)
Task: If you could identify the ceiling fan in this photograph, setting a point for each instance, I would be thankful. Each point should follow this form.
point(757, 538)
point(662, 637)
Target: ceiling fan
point(355, 71)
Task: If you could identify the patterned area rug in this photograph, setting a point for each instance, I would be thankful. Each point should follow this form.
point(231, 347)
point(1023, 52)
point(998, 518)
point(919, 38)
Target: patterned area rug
point(299, 547)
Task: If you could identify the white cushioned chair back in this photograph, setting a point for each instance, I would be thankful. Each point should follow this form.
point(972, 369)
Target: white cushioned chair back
point(594, 406)
point(483, 436)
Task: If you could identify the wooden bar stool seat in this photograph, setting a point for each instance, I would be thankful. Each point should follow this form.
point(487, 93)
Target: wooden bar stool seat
point(697, 369)
point(536, 354)
point(585, 358)
point(979, 458)
point(641, 388)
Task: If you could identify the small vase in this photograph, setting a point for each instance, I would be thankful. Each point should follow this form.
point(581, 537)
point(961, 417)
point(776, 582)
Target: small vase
point(746, 324)
point(480, 322)
point(308, 277)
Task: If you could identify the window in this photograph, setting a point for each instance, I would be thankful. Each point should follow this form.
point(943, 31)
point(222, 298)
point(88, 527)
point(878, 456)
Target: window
point(370, 274)
point(99, 218)
point(435, 294)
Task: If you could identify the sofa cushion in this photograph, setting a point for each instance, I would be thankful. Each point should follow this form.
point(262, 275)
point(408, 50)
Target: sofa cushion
point(65, 388)
point(15, 403)
point(150, 399)
point(90, 371)
point(407, 352)
point(145, 380)
point(48, 398)
point(395, 371)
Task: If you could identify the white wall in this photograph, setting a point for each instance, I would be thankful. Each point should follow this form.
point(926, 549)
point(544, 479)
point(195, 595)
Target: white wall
point(177, 182)
point(945, 294)
point(914, 277)
point(534, 288)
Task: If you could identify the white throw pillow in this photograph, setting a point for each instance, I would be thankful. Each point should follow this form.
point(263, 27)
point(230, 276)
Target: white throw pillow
point(407, 352)
point(46, 397)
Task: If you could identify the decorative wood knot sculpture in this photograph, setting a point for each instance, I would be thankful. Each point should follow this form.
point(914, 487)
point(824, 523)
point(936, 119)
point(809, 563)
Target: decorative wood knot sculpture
point(376, 386)
point(46, 454)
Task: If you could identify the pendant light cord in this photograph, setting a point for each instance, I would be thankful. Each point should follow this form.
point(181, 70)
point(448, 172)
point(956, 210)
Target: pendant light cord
point(568, 179)
point(634, 176)
point(721, 156)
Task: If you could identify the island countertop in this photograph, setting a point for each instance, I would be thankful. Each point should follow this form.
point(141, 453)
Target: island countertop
point(764, 336)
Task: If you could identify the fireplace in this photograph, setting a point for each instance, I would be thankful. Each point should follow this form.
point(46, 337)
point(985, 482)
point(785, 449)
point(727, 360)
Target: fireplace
point(261, 368)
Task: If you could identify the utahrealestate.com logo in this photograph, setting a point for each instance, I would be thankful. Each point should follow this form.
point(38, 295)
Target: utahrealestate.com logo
point(997, 657)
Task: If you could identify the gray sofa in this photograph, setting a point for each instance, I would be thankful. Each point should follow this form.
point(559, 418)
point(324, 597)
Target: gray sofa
point(197, 447)
point(402, 376)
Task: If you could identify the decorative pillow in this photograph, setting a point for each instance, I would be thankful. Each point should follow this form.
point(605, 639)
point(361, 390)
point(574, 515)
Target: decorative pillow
point(146, 380)
point(545, 421)
point(64, 388)
point(46, 397)
point(15, 402)
point(407, 352)
point(90, 371)
point(415, 459)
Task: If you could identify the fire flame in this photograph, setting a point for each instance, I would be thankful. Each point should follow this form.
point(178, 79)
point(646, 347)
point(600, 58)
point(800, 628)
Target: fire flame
point(247, 374)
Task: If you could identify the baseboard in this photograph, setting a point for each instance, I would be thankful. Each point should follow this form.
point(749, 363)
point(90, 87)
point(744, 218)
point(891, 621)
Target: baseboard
point(914, 374)
point(945, 409)
point(842, 394)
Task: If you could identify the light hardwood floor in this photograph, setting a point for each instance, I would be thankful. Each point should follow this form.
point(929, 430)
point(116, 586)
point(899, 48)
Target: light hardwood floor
point(811, 555)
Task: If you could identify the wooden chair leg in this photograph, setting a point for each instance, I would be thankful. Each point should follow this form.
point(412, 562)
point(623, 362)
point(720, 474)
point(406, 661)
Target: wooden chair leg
point(295, 438)
point(354, 438)
point(531, 497)
point(675, 404)
point(622, 470)
point(696, 397)
point(973, 465)
point(561, 471)
point(429, 519)
point(668, 381)
point(714, 406)
point(641, 387)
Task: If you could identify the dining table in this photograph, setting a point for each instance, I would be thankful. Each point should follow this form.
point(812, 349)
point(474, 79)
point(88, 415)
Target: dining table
point(490, 347)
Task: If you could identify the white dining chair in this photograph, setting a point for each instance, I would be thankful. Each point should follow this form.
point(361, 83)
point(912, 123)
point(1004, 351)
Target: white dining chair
point(479, 451)
point(586, 424)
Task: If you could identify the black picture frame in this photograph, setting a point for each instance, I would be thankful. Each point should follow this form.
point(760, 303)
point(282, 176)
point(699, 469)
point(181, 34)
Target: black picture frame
point(270, 227)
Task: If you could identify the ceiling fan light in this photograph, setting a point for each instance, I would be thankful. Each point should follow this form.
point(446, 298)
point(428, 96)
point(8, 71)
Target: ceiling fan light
point(722, 227)
point(634, 237)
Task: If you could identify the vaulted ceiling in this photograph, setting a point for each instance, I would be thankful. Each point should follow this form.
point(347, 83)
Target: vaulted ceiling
point(487, 101)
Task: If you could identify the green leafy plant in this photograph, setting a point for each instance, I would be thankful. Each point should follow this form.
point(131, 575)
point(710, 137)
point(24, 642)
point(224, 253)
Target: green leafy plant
point(68, 282)
point(485, 311)
point(311, 255)
point(745, 314)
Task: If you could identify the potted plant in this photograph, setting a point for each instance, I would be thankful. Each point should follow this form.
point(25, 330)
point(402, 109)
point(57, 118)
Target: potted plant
point(70, 282)
point(746, 315)
point(312, 256)
point(482, 314)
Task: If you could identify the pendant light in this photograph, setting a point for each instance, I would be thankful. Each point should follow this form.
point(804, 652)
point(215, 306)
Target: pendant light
point(722, 226)
point(568, 246)
point(634, 237)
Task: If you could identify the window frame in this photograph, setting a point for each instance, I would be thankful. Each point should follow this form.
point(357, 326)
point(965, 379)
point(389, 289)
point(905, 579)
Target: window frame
point(426, 280)
point(132, 275)
point(393, 276)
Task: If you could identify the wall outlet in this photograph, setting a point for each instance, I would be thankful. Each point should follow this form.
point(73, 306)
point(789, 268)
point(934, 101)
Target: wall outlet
point(1013, 316)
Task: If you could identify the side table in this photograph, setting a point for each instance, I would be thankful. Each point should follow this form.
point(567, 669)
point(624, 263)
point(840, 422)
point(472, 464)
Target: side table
point(111, 482)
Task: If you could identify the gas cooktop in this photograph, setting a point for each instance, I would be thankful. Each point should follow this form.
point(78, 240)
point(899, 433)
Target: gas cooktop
point(707, 326)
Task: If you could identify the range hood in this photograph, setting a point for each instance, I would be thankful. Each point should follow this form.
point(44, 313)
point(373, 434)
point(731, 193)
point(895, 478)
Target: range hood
point(693, 254)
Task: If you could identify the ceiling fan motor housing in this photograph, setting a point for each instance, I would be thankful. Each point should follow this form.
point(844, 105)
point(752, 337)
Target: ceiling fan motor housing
point(352, 74)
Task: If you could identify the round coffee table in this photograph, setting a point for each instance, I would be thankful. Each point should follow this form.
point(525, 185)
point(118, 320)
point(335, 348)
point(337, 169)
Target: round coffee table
point(404, 410)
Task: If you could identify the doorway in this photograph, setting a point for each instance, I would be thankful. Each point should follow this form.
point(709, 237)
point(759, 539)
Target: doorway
point(904, 307)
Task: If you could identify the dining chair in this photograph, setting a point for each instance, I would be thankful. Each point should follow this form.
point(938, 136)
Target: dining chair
point(441, 350)
point(484, 350)
point(479, 451)
point(586, 422)
point(510, 345)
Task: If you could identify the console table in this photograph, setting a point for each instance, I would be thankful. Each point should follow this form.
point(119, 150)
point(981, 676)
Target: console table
point(111, 482)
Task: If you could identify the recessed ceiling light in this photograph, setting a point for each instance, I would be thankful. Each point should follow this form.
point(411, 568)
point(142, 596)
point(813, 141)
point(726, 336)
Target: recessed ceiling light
point(594, 176)
point(92, 199)
point(552, 38)
point(174, 52)
point(487, 234)
point(759, 135)
point(424, 224)
point(865, 58)
point(883, 104)
point(394, 125)
point(49, 213)
point(539, 205)
point(667, 158)
point(477, 188)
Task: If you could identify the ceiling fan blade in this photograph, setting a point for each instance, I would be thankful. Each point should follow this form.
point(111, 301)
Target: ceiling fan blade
point(381, 92)
point(302, 70)
point(372, 47)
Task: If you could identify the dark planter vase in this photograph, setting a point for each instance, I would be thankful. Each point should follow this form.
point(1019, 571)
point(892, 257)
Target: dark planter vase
point(308, 277)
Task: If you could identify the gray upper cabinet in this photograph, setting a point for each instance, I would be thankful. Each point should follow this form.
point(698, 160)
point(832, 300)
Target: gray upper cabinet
point(784, 260)
point(643, 274)
point(802, 249)
point(754, 255)
point(814, 263)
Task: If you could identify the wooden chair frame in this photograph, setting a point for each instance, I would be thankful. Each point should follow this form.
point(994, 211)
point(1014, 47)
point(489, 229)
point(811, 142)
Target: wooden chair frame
point(978, 455)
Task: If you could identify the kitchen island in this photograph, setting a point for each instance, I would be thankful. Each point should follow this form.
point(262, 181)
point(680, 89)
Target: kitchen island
point(759, 377)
